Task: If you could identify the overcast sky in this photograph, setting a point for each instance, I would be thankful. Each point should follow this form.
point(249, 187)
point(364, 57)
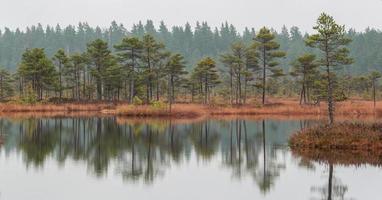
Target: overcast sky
point(358, 14)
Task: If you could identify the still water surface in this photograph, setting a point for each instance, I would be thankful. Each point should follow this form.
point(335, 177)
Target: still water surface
point(110, 158)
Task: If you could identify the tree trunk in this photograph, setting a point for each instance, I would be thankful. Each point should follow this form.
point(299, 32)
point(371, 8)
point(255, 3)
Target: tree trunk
point(131, 94)
point(330, 182)
point(374, 98)
point(231, 86)
point(330, 97)
point(264, 74)
point(206, 90)
point(60, 89)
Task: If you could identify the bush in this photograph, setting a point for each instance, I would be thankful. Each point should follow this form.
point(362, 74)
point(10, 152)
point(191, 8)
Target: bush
point(158, 105)
point(137, 101)
point(30, 96)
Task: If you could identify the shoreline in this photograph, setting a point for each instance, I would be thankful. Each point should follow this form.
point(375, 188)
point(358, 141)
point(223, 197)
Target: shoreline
point(289, 108)
point(341, 143)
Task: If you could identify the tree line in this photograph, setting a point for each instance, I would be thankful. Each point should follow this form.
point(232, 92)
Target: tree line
point(194, 42)
point(143, 70)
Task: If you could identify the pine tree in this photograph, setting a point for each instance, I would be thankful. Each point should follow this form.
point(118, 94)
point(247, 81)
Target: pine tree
point(73, 71)
point(129, 51)
point(267, 49)
point(151, 49)
point(37, 70)
point(6, 84)
point(62, 60)
point(207, 74)
point(100, 59)
point(374, 76)
point(305, 68)
point(175, 69)
point(331, 40)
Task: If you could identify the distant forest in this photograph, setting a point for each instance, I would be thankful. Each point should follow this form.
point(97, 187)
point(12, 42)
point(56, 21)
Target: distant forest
point(194, 43)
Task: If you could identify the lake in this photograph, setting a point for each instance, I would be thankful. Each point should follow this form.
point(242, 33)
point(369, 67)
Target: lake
point(113, 158)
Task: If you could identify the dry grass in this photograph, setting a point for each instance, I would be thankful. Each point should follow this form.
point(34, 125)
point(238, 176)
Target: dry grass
point(52, 114)
point(292, 107)
point(341, 136)
point(275, 107)
point(343, 143)
point(177, 111)
point(66, 107)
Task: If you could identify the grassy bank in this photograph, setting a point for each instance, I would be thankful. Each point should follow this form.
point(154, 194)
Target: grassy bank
point(48, 107)
point(275, 107)
point(341, 136)
point(343, 143)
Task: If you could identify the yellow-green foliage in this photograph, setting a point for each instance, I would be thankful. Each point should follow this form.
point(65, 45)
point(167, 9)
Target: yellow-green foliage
point(158, 105)
point(30, 97)
point(137, 101)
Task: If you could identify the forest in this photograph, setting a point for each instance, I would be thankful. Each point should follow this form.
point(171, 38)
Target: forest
point(195, 65)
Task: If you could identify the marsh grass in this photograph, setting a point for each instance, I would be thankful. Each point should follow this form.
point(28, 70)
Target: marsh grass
point(353, 136)
point(285, 107)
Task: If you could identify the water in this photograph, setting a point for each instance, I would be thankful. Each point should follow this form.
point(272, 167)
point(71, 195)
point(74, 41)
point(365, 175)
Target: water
point(111, 158)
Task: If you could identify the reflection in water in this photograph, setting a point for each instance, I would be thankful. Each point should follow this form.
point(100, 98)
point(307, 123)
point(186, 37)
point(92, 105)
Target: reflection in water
point(143, 152)
point(334, 189)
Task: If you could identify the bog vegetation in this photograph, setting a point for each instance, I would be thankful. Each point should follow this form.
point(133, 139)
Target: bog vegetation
point(140, 69)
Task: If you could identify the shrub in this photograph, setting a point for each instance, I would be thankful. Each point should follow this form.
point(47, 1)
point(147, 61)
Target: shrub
point(137, 101)
point(158, 105)
point(30, 96)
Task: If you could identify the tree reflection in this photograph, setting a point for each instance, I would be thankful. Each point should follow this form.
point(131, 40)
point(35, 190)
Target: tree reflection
point(334, 189)
point(144, 151)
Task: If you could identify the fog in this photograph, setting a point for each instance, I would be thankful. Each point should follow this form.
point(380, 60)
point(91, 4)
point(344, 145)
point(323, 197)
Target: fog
point(358, 14)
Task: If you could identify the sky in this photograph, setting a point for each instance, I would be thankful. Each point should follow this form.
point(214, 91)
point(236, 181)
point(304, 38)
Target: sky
point(358, 14)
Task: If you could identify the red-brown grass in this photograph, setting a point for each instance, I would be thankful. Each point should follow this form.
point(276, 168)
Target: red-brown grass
point(292, 107)
point(284, 107)
point(65, 107)
point(343, 136)
point(177, 111)
point(342, 143)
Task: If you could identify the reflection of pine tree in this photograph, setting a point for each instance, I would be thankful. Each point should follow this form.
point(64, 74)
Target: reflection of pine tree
point(271, 167)
point(334, 189)
point(142, 152)
point(205, 141)
point(251, 155)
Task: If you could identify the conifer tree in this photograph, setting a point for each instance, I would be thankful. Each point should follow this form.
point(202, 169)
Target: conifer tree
point(207, 74)
point(38, 70)
point(374, 76)
point(129, 51)
point(62, 60)
point(175, 69)
point(305, 68)
point(268, 51)
point(6, 84)
point(331, 41)
point(101, 59)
